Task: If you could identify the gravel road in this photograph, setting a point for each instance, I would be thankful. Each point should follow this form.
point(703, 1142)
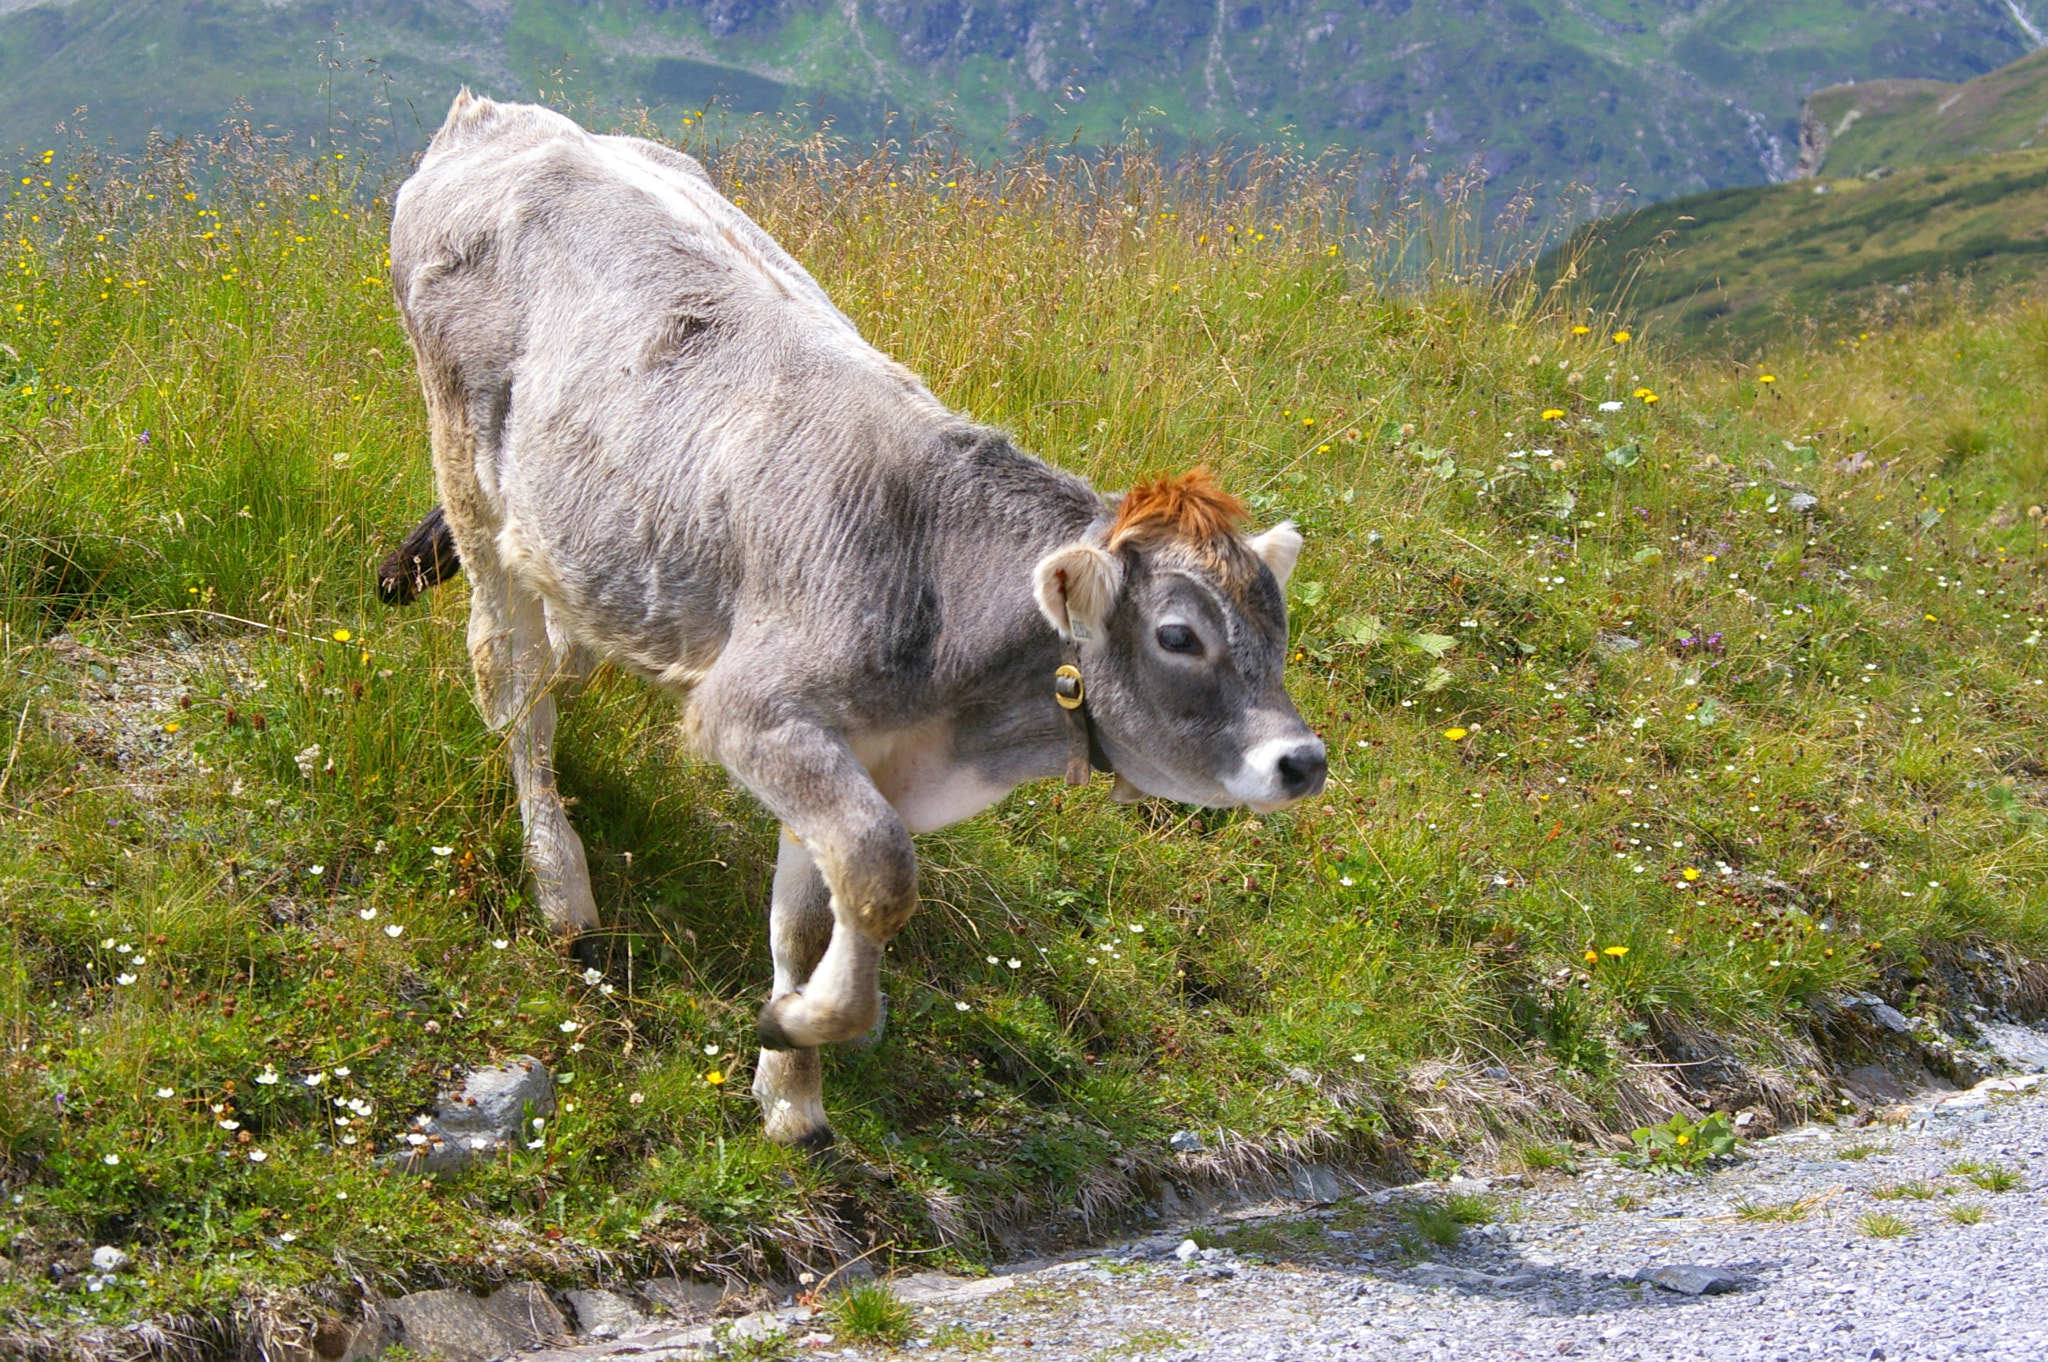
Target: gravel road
point(1806, 1271)
point(1555, 1277)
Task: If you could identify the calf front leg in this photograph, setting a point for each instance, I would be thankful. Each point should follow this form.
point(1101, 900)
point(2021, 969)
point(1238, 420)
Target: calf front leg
point(808, 777)
point(789, 1084)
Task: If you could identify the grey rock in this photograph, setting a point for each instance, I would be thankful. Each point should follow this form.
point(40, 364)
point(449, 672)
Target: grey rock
point(1470, 1186)
point(1438, 1274)
point(687, 1299)
point(2018, 1046)
point(489, 1114)
point(1185, 1142)
point(460, 1327)
point(106, 1258)
point(1608, 645)
point(1690, 1279)
point(1187, 1250)
point(1802, 502)
point(1317, 1182)
point(1297, 1074)
point(1890, 1018)
point(603, 1314)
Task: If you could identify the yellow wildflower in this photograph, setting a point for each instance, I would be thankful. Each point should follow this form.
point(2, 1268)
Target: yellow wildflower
point(1553, 414)
point(1767, 378)
point(1455, 734)
point(715, 1078)
point(1622, 338)
point(1582, 331)
point(342, 636)
point(1691, 872)
point(1592, 957)
point(1617, 951)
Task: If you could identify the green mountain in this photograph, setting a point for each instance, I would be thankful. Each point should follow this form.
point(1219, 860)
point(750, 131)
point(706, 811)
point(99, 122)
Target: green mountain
point(1903, 182)
point(1738, 264)
point(1856, 129)
point(1623, 95)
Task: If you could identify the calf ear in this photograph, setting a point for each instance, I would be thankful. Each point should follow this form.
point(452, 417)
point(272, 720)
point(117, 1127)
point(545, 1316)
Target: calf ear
point(1077, 586)
point(1279, 548)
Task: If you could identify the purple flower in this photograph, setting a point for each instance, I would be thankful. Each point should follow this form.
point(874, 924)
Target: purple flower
point(143, 439)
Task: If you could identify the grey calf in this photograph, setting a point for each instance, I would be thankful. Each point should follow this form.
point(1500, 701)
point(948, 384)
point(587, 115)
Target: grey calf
point(659, 443)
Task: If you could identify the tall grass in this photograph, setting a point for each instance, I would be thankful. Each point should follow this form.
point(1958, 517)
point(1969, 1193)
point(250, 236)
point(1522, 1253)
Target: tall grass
point(1629, 746)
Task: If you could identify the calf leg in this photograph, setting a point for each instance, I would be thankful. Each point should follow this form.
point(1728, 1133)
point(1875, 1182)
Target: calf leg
point(515, 667)
point(808, 777)
point(789, 1083)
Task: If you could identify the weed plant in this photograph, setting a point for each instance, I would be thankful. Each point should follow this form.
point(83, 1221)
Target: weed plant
point(870, 1312)
point(1660, 698)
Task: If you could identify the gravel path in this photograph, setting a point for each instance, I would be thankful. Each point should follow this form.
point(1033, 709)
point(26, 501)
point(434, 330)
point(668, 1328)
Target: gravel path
point(1555, 1274)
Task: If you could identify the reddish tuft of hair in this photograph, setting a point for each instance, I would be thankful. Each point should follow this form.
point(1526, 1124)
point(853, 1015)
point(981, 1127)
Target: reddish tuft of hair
point(1190, 507)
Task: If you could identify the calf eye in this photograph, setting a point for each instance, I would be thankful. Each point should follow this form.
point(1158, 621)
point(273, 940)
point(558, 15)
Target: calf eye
point(1178, 638)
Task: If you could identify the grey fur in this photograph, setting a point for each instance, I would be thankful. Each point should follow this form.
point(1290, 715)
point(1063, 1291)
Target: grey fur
point(658, 442)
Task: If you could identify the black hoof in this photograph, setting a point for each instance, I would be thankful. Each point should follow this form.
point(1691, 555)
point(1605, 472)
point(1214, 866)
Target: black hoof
point(818, 1142)
point(592, 951)
point(772, 1036)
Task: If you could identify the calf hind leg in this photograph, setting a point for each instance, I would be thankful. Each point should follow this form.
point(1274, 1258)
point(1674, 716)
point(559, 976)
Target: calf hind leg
point(515, 667)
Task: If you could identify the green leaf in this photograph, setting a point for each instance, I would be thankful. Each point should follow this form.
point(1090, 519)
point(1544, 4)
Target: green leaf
point(1649, 557)
point(1310, 593)
point(1625, 456)
point(1361, 631)
point(1930, 517)
point(1438, 678)
point(1436, 645)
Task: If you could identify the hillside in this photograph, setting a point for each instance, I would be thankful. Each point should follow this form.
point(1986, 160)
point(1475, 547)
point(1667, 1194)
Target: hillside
point(1652, 98)
point(1669, 713)
point(1746, 264)
point(1858, 129)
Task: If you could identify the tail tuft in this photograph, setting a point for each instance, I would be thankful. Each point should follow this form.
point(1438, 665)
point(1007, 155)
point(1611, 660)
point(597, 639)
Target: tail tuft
point(426, 559)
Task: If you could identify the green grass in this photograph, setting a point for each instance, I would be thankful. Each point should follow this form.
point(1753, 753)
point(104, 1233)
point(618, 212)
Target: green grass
point(1856, 1153)
point(1883, 1225)
point(870, 1312)
point(1966, 1214)
point(1998, 1178)
point(1776, 1212)
point(209, 431)
point(1900, 1191)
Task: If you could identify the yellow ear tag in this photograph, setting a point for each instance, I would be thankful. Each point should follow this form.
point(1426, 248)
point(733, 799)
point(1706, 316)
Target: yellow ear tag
point(1067, 687)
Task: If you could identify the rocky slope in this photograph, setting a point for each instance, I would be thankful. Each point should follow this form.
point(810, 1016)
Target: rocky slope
point(1660, 99)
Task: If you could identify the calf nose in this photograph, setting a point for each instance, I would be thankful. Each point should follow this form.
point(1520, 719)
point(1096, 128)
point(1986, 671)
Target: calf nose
point(1302, 770)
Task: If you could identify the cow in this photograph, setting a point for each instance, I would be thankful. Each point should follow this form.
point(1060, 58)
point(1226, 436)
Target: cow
point(658, 443)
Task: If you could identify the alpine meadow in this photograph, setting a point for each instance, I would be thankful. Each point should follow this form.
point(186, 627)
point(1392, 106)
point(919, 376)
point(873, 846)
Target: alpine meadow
point(1673, 701)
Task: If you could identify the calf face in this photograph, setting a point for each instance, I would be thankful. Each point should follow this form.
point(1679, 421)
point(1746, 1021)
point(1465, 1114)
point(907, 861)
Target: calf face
point(1182, 629)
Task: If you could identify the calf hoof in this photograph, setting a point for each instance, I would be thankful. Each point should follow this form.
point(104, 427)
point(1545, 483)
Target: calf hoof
point(769, 1027)
point(817, 1142)
point(592, 951)
point(870, 1038)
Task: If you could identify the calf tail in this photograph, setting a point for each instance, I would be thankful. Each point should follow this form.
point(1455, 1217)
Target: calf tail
point(426, 559)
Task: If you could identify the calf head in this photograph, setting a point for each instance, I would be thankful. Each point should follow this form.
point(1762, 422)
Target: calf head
point(1181, 624)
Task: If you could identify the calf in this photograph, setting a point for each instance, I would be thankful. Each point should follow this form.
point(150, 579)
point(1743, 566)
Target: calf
point(658, 442)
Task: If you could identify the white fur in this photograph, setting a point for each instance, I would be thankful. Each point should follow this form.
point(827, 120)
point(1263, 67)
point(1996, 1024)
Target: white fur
point(1279, 549)
point(1076, 585)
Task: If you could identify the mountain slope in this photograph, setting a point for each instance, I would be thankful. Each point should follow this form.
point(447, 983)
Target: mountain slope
point(1854, 129)
point(1736, 264)
point(1623, 94)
